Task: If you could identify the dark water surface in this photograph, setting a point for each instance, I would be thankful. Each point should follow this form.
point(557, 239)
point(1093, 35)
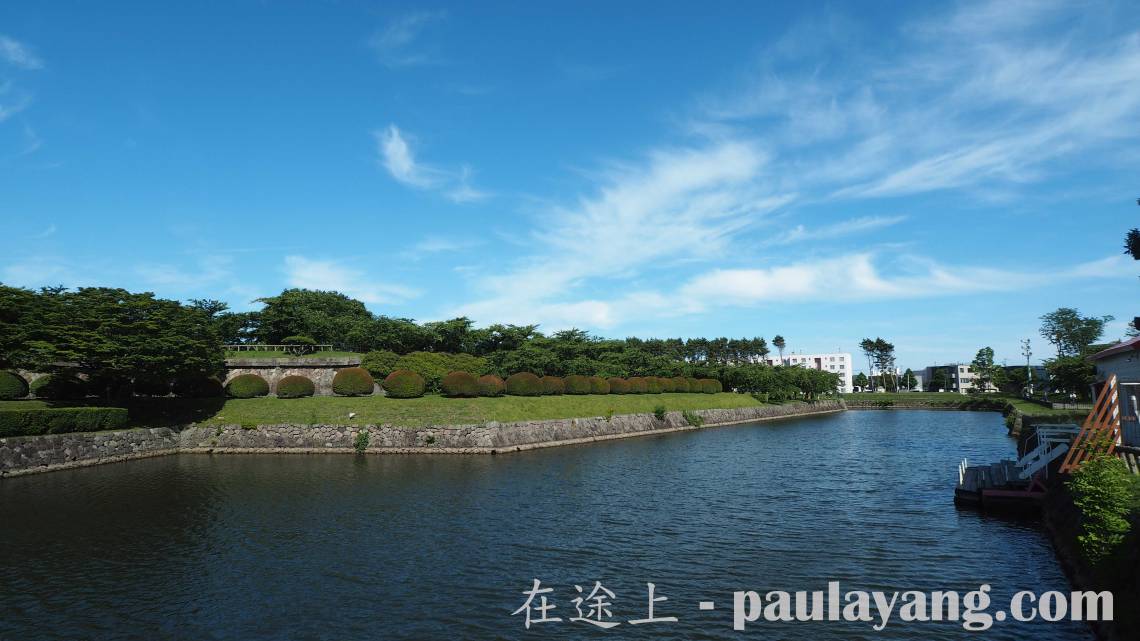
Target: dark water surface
point(441, 547)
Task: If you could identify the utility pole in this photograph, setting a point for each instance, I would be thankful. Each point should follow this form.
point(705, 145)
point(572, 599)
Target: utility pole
point(1027, 352)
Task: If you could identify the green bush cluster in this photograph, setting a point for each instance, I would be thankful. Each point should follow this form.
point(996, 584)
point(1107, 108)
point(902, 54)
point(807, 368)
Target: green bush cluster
point(295, 387)
point(12, 386)
point(618, 385)
point(638, 385)
point(710, 386)
point(59, 387)
point(599, 385)
point(681, 384)
point(433, 366)
point(404, 383)
point(491, 385)
point(524, 384)
point(577, 384)
point(61, 420)
point(353, 381)
point(247, 386)
point(380, 363)
point(553, 385)
point(653, 385)
point(459, 385)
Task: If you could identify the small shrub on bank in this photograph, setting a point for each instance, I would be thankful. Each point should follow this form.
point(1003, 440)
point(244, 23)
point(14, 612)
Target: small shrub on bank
point(599, 385)
point(491, 385)
point(637, 385)
point(353, 381)
point(618, 385)
point(680, 384)
point(380, 363)
point(61, 420)
point(360, 443)
point(653, 385)
point(295, 387)
point(711, 386)
point(404, 383)
point(198, 387)
point(59, 387)
point(553, 385)
point(659, 412)
point(576, 384)
point(459, 385)
point(12, 386)
point(525, 384)
point(760, 396)
point(1103, 490)
point(247, 386)
point(692, 418)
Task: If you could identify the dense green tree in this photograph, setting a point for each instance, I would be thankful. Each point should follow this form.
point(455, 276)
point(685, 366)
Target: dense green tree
point(779, 344)
point(1071, 375)
point(1071, 333)
point(325, 316)
point(983, 368)
point(909, 380)
point(861, 381)
point(939, 381)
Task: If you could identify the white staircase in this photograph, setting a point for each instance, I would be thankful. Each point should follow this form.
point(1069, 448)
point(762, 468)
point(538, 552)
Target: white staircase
point(1050, 442)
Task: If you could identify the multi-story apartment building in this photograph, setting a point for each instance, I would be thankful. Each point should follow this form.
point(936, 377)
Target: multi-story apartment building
point(959, 378)
point(837, 363)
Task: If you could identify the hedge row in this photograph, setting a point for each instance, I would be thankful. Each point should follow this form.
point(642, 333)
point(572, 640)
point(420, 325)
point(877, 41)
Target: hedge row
point(61, 420)
point(464, 385)
point(12, 386)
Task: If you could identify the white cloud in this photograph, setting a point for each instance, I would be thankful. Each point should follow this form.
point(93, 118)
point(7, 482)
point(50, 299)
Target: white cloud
point(207, 269)
point(48, 231)
point(17, 54)
point(398, 158)
point(800, 233)
point(331, 275)
point(393, 44)
point(401, 163)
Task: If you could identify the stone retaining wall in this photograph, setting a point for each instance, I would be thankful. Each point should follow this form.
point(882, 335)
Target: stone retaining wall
point(29, 454)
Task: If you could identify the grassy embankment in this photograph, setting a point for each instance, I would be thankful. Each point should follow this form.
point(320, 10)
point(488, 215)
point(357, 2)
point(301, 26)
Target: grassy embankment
point(413, 412)
point(964, 401)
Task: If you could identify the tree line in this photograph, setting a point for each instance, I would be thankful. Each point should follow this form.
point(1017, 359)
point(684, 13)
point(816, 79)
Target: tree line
point(119, 339)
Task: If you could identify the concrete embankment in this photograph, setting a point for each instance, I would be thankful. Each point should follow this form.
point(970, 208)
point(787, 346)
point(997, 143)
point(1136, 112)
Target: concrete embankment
point(30, 454)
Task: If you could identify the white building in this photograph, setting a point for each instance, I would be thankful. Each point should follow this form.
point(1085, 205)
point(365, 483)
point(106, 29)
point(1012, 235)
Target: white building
point(837, 363)
point(959, 378)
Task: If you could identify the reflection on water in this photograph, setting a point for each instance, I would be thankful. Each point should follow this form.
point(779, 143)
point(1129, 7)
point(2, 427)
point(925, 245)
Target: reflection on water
point(441, 547)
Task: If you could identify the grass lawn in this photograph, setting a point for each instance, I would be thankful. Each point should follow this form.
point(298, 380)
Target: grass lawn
point(1029, 408)
point(437, 410)
point(907, 396)
point(272, 354)
point(413, 412)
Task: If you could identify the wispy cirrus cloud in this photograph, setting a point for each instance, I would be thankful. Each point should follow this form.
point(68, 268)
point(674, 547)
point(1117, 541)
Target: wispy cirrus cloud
point(801, 233)
point(981, 98)
point(396, 155)
point(18, 54)
point(333, 275)
point(394, 44)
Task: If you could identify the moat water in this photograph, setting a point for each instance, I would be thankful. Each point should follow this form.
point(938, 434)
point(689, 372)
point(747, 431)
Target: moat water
point(338, 547)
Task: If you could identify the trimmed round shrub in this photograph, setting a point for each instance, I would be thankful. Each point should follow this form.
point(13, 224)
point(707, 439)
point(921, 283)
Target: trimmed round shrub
point(694, 385)
point(12, 386)
point(524, 384)
point(618, 385)
point(295, 387)
point(491, 385)
point(459, 385)
point(577, 384)
point(404, 383)
point(247, 386)
point(380, 363)
point(59, 387)
point(553, 385)
point(353, 381)
point(637, 385)
point(198, 387)
point(598, 385)
point(710, 386)
point(653, 385)
point(680, 384)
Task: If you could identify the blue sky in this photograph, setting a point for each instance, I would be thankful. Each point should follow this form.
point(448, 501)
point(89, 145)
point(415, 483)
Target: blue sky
point(939, 176)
